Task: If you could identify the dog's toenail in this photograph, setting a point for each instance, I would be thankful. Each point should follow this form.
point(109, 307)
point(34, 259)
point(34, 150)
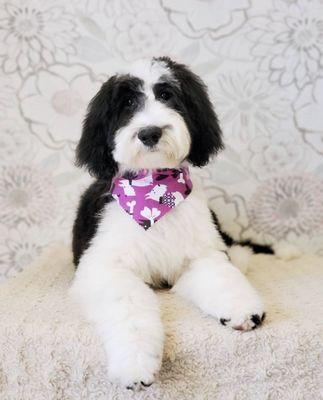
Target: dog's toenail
point(133, 386)
point(146, 384)
point(263, 317)
point(256, 319)
point(238, 328)
point(224, 321)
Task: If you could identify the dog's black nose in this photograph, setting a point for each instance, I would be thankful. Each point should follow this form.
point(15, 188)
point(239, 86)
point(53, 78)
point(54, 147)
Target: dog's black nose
point(150, 135)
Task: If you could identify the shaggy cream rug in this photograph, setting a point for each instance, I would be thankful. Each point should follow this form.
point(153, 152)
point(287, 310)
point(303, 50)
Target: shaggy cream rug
point(48, 351)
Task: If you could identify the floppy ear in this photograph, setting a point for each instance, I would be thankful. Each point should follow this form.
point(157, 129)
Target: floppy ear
point(198, 113)
point(94, 150)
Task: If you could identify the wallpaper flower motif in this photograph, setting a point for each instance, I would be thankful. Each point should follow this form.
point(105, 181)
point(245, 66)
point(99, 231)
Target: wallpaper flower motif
point(34, 33)
point(198, 18)
point(248, 105)
point(27, 194)
point(308, 114)
point(23, 245)
point(13, 144)
point(289, 41)
point(269, 156)
point(54, 103)
point(288, 204)
point(143, 34)
point(7, 96)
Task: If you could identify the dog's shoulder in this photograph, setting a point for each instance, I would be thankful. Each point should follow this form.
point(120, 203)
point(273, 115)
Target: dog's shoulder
point(88, 215)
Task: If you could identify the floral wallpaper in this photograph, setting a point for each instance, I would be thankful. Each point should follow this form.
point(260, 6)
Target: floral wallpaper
point(261, 59)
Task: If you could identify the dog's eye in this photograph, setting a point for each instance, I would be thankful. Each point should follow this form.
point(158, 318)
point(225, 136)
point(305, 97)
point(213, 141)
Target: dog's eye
point(165, 95)
point(129, 102)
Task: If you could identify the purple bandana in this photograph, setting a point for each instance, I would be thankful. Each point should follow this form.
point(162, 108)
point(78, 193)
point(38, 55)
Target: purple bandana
point(149, 195)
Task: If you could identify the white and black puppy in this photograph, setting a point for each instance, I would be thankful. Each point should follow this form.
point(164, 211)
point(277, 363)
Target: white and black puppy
point(158, 117)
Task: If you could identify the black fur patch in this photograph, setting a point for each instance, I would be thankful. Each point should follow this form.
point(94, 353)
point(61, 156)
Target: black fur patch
point(224, 321)
point(191, 100)
point(256, 319)
point(88, 215)
point(229, 241)
point(112, 107)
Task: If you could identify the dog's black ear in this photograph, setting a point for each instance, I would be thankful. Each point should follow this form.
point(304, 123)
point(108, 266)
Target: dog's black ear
point(198, 113)
point(94, 150)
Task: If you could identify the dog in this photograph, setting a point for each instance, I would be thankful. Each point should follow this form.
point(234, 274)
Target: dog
point(153, 125)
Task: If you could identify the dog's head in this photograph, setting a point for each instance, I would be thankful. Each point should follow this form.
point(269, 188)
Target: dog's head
point(157, 116)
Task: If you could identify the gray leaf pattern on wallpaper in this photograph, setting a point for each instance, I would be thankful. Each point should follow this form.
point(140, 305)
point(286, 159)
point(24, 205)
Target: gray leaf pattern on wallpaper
point(262, 61)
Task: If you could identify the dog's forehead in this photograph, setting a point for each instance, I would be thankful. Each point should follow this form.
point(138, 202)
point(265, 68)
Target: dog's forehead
point(149, 72)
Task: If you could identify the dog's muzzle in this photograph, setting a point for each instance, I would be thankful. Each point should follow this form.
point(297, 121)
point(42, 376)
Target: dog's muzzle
point(150, 136)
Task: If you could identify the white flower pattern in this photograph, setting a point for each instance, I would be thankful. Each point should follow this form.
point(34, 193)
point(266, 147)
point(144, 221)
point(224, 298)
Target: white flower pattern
point(55, 102)
point(214, 22)
point(308, 108)
point(15, 141)
point(20, 247)
point(8, 101)
point(198, 18)
point(270, 156)
point(288, 204)
point(27, 194)
point(150, 213)
point(142, 34)
point(288, 41)
point(35, 33)
point(248, 106)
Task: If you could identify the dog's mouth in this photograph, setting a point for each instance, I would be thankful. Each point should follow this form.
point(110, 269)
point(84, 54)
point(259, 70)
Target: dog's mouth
point(153, 149)
point(158, 147)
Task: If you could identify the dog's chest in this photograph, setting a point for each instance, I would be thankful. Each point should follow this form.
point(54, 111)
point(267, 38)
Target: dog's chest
point(161, 252)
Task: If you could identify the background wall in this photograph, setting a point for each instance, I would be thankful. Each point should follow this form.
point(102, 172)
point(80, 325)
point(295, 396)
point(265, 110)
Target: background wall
point(262, 60)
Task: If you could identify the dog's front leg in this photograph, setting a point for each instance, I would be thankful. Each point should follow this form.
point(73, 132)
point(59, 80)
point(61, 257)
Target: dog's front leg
point(126, 313)
point(221, 290)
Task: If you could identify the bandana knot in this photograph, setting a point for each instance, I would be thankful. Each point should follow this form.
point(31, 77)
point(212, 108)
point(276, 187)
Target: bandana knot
point(148, 195)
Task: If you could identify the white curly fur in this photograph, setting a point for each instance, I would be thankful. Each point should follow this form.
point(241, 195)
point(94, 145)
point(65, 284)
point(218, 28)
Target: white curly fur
point(183, 249)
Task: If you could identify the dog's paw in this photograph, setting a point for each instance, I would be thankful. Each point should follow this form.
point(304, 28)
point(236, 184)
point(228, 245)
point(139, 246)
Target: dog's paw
point(137, 386)
point(135, 371)
point(243, 313)
point(251, 321)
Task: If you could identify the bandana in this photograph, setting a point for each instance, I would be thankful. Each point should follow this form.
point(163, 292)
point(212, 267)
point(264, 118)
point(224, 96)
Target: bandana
point(149, 195)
